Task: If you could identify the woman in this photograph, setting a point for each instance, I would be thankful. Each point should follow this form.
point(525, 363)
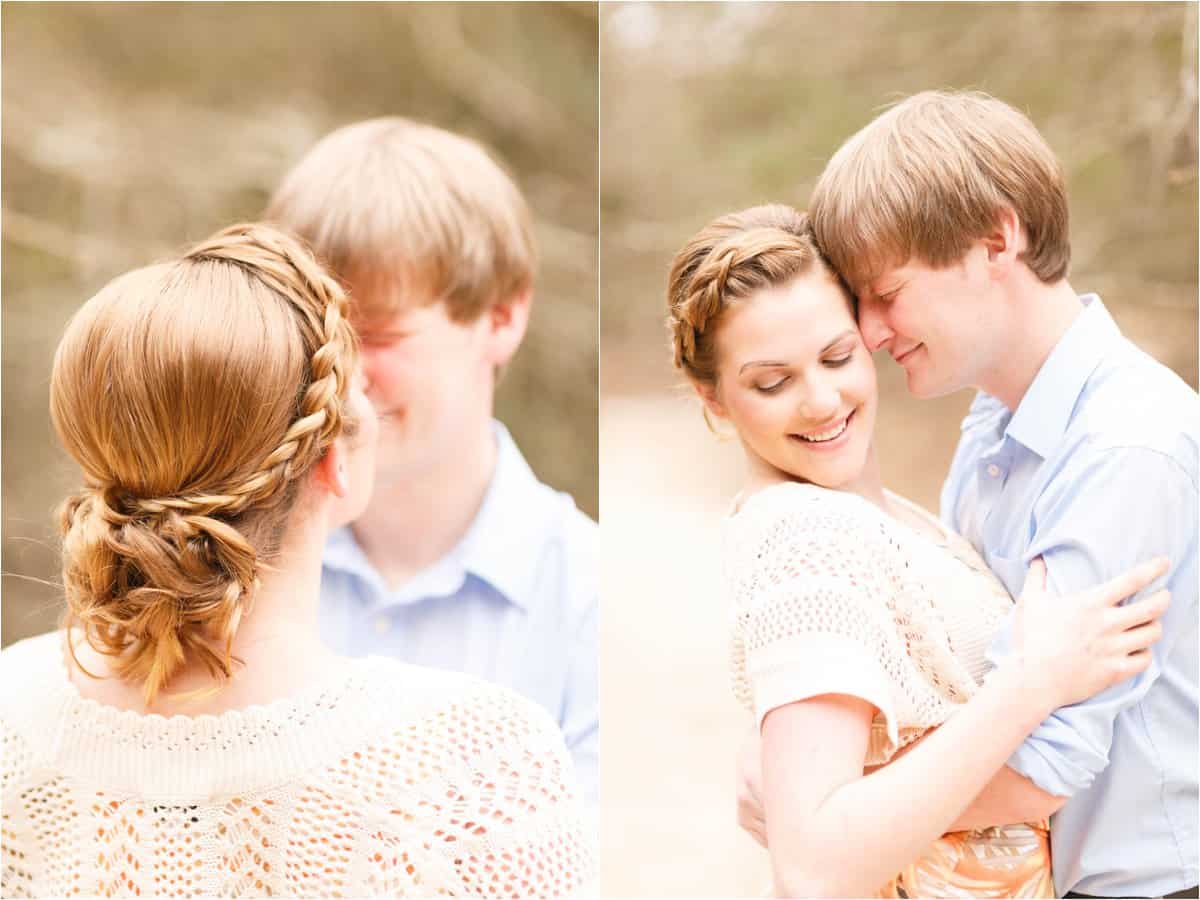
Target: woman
point(860, 622)
point(187, 732)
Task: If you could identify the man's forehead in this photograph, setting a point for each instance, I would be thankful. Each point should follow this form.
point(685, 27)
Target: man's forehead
point(882, 279)
point(384, 293)
point(405, 318)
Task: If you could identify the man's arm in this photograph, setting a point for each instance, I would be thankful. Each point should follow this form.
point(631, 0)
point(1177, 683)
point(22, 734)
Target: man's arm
point(1104, 514)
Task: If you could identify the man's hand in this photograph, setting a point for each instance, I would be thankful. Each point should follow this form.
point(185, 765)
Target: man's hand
point(749, 788)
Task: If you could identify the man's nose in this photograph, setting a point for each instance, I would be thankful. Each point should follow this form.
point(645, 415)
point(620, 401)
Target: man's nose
point(875, 330)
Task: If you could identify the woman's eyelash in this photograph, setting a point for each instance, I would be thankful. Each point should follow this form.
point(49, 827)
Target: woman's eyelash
point(840, 361)
point(770, 388)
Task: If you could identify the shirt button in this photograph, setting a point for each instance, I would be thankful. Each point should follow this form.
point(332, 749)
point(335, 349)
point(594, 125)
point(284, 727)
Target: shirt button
point(383, 625)
point(993, 470)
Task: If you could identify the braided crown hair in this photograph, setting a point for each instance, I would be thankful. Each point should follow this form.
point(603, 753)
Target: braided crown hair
point(727, 261)
point(194, 395)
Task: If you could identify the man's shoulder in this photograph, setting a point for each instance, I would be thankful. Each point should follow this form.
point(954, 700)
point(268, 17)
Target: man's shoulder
point(1132, 402)
point(564, 538)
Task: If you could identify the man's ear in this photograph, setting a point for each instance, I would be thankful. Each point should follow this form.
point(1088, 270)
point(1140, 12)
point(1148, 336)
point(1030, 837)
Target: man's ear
point(330, 470)
point(1005, 242)
point(506, 322)
point(708, 396)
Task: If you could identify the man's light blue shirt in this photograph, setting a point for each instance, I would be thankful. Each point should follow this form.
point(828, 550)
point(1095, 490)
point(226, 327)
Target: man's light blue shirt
point(515, 603)
point(1096, 471)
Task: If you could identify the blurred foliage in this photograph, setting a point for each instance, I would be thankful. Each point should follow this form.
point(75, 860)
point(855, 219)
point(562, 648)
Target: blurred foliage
point(707, 108)
point(130, 130)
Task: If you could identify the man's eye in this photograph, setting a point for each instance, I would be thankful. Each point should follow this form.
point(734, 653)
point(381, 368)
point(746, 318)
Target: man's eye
point(772, 387)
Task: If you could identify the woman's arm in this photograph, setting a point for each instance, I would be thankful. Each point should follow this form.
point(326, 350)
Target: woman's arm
point(834, 832)
point(1008, 798)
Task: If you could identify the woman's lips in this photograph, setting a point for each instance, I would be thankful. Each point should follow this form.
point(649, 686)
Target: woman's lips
point(827, 445)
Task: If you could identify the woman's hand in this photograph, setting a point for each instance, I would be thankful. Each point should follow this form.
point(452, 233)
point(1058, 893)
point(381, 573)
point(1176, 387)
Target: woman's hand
point(1071, 648)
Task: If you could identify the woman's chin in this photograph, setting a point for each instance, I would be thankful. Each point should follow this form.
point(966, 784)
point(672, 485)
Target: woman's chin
point(836, 471)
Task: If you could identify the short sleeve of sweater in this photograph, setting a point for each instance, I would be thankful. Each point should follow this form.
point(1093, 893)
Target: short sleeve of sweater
point(819, 609)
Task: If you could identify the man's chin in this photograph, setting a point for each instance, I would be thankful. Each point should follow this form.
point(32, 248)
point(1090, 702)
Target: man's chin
point(923, 387)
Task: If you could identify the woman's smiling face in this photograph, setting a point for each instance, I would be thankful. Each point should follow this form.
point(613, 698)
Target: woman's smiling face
point(796, 381)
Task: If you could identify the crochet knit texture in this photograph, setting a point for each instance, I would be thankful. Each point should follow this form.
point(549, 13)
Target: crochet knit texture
point(395, 780)
point(831, 595)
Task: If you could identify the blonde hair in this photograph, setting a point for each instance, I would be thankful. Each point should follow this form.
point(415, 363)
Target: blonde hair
point(402, 210)
point(194, 395)
point(928, 177)
point(725, 262)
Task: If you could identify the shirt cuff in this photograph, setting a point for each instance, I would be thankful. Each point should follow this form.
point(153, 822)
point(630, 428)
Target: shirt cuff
point(1045, 760)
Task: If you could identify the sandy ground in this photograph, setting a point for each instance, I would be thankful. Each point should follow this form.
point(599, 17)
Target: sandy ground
point(671, 726)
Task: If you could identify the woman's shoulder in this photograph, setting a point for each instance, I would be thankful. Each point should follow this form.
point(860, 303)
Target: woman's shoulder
point(795, 499)
point(462, 727)
point(441, 702)
point(37, 649)
point(799, 519)
point(28, 670)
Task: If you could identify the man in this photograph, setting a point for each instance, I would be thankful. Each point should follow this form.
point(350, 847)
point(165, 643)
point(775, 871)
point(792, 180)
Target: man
point(947, 216)
point(463, 559)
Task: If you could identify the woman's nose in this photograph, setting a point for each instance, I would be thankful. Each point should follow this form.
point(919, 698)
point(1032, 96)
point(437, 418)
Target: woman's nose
point(821, 401)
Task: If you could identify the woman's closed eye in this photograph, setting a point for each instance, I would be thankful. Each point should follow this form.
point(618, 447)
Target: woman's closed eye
point(773, 386)
point(837, 361)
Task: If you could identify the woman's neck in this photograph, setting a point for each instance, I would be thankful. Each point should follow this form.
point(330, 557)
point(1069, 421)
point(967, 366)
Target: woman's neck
point(868, 484)
point(277, 647)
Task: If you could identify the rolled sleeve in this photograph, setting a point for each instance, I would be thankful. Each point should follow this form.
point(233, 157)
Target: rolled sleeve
point(1119, 508)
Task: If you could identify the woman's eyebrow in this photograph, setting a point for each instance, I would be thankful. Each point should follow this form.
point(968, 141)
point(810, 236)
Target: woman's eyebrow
point(845, 334)
point(760, 363)
point(767, 363)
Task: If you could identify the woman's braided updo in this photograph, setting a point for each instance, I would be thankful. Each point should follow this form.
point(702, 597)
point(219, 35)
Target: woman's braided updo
point(194, 394)
point(727, 261)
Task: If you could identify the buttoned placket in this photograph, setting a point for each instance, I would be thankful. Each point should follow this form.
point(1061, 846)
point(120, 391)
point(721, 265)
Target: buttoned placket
point(992, 474)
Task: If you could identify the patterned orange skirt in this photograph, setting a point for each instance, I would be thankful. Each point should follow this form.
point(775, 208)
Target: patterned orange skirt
point(1005, 861)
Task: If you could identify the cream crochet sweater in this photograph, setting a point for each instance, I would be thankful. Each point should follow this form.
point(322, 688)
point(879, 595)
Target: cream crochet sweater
point(831, 595)
point(395, 780)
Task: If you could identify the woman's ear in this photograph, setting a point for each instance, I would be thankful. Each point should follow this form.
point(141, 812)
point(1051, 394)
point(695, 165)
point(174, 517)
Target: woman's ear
point(330, 470)
point(708, 396)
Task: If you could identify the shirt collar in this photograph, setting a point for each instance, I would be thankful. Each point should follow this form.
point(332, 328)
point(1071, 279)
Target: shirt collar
point(1042, 416)
point(501, 545)
point(496, 547)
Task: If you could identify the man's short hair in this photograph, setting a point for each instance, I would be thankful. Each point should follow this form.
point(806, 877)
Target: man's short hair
point(402, 212)
point(928, 177)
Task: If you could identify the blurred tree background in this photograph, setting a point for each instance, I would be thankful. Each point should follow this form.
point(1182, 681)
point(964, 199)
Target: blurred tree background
point(130, 130)
point(708, 108)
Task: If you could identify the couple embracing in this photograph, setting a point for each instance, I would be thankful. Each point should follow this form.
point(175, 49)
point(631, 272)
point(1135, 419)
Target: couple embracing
point(916, 733)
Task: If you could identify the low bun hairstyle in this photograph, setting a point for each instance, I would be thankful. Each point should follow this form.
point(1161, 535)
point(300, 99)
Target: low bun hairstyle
point(194, 395)
point(727, 261)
